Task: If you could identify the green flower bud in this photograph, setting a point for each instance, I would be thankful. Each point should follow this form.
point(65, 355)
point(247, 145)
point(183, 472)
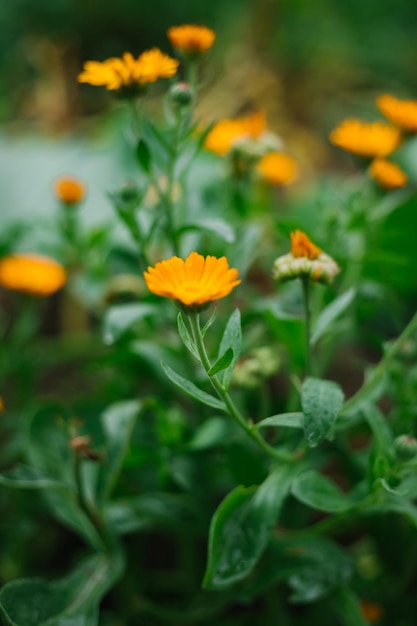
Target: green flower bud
point(405, 447)
point(181, 94)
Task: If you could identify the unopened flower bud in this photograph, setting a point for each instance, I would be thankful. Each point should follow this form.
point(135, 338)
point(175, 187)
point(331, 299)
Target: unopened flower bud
point(405, 447)
point(182, 94)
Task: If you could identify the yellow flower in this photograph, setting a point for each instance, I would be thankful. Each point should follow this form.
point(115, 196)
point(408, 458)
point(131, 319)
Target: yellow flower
point(127, 73)
point(69, 190)
point(305, 259)
point(403, 113)
point(278, 168)
point(193, 283)
point(34, 274)
point(367, 139)
point(226, 133)
point(191, 39)
point(387, 174)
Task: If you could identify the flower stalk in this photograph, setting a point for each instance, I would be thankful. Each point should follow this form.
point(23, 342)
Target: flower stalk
point(194, 320)
point(305, 281)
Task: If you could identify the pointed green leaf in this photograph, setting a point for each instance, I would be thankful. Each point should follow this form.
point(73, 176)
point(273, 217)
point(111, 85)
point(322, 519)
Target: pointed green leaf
point(186, 337)
point(232, 338)
point(290, 420)
point(321, 401)
point(241, 526)
point(212, 432)
point(73, 600)
point(319, 492)
point(330, 313)
point(120, 318)
point(192, 390)
point(222, 363)
point(26, 477)
point(118, 422)
point(209, 323)
point(143, 155)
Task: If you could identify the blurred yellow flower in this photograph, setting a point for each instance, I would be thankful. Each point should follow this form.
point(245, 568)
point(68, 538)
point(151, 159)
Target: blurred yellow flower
point(387, 174)
point(195, 282)
point(191, 39)
point(129, 73)
point(278, 168)
point(34, 274)
point(226, 133)
point(305, 259)
point(367, 139)
point(69, 190)
point(403, 113)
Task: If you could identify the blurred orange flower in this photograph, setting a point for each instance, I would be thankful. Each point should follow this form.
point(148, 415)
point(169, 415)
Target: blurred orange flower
point(371, 611)
point(191, 39)
point(34, 274)
point(195, 282)
point(226, 133)
point(69, 190)
point(387, 174)
point(302, 246)
point(403, 113)
point(127, 72)
point(368, 139)
point(278, 168)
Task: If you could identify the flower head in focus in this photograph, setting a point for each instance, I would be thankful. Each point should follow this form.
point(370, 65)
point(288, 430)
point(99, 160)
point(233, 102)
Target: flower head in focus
point(192, 283)
point(277, 168)
point(69, 190)
point(33, 274)
point(387, 174)
point(403, 113)
point(366, 139)
point(228, 132)
point(191, 39)
point(305, 259)
point(127, 74)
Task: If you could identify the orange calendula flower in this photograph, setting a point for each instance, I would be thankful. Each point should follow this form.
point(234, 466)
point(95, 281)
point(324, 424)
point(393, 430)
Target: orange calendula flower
point(191, 39)
point(403, 113)
point(34, 274)
point(69, 190)
point(367, 139)
point(305, 259)
point(193, 283)
point(278, 168)
point(387, 174)
point(226, 133)
point(128, 74)
point(371, 611)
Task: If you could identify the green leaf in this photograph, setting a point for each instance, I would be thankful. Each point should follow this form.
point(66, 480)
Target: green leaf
point(26, 477)
point(321, 401)
point(118, 421)
point(312, 565)
point(186, 337)
point(290, 420)
point(71, 601)
point(212, 432)
point(240, 528)
point(143, 155)
point(192, 390)
point(319, 492)
point(222, 363)
point(209, 323)
point(330, 313)
point(347, 607)
point(119, 318)
point(232, 338)
point(215, 226)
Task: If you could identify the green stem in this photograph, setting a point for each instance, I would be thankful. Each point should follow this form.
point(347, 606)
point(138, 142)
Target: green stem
point(305, 281)
point(232, 409)
point(107, 541)
point(379, 371)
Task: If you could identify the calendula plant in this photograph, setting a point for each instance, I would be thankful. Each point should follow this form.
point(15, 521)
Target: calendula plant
point(219, 462)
